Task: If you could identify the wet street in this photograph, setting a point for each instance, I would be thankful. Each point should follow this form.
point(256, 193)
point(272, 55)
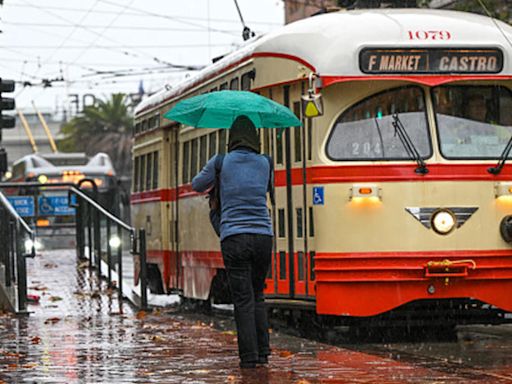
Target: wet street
point(76, 333)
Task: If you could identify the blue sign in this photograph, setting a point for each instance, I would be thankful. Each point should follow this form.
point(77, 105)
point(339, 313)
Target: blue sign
point(54, 205)
point(24, 205)
point(318, 195)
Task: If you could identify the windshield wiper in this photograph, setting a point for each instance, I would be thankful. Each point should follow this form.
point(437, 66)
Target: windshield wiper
point(409, 145)
point(501, 162)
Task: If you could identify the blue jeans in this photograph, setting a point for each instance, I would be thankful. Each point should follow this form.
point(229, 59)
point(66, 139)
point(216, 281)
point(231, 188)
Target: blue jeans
point(247, 259)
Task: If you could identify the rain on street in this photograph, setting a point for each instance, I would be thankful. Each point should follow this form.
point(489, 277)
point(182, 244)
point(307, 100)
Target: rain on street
point(76, 333)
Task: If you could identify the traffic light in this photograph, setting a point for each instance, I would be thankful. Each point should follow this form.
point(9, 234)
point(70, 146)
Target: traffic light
point(6, 104)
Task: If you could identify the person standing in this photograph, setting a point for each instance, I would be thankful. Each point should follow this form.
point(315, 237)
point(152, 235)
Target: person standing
point(246, 234)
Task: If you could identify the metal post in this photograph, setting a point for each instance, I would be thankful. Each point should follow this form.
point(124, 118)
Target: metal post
point(89, 234)
point(4, 234)
point(120, 268)
point(79, 228)
point(109, 255)
point(11, 255)
point(143, 269)
point(21, 278)
point(97, 241)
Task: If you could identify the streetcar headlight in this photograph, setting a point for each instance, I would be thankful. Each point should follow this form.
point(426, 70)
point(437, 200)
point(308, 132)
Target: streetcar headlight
point(443, 222)
point(42, 179)
point(29, 244)
point(114, 242)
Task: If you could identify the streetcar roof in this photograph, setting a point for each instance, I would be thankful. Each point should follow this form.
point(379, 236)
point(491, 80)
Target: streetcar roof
point(330, 43)
point(56, 163)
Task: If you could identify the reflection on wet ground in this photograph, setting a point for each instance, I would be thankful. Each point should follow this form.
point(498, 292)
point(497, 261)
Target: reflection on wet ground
point(77, 334)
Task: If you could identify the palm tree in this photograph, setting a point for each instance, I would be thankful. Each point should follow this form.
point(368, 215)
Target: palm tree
point(105, 127)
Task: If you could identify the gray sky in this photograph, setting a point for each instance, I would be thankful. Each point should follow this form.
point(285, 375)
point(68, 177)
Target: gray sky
point(75, 40)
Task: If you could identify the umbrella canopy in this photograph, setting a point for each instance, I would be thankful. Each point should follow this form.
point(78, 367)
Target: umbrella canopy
point(220, 109)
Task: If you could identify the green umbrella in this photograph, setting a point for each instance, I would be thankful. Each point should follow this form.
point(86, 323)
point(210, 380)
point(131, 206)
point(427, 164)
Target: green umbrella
point(220, 109)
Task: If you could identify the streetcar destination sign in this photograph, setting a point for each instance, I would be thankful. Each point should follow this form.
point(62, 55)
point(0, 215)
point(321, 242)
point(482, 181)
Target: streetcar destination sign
point(430, 60)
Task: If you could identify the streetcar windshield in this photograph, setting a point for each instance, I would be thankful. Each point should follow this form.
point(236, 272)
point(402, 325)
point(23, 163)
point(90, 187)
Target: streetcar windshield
point(473, 122)
point(365, 130)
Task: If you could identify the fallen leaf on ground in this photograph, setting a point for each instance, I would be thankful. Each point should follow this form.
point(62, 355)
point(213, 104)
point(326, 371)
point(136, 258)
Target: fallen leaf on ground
point(285, 354)
point(55, 298)
point(140, 315)
point(33, 298)
point(35, 340)
point(52, 320)
point(157, 339)
point(50, 265)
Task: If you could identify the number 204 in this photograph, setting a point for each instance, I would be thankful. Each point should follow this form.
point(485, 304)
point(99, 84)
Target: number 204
point(429, 35)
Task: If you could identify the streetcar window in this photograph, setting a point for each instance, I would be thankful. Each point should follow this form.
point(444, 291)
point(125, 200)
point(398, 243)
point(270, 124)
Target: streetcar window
point(279, 147)
point(299, 222)
point(312, 255)
point(365, 131)
point(137, 128)
point(282, 265)
point(281, 223)
point(186, 162)
point(297, 134)
point(223, 139)
point(202, 151)
point(212, 145)
point(473, 122)
point(223, 86)
point(246, 80)
point(233, 84)
point(300, 265)
point(155, 170)
point(194, 158)
point(266, 141)
point(136, 174)
point(311, 223)
point(149, 163)
point(142, 166)
point(144, 125)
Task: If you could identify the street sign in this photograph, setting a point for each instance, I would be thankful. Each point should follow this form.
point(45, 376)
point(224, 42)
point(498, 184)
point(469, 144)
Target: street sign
point(54, 206)
point(24, 205)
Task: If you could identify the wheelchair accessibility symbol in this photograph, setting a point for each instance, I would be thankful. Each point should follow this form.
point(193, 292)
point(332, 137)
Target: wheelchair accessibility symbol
point(318, 195)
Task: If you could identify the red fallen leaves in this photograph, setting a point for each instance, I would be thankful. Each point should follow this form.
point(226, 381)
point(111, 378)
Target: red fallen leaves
point(285, 354)
point(33, 298)
point(35, 340)
point(140, 315)
point(52, 320)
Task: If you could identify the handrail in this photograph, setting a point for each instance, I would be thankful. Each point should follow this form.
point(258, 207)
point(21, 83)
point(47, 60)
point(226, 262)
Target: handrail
point(102, 210)
point(14, 214)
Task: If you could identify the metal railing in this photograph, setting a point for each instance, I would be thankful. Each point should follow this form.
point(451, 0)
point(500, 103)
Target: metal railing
point(92, 244)
point(17, 244)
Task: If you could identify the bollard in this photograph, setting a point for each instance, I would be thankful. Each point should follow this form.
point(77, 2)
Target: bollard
point(143, 269)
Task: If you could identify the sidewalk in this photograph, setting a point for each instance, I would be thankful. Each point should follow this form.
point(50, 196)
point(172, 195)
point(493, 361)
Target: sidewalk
point(76, 334)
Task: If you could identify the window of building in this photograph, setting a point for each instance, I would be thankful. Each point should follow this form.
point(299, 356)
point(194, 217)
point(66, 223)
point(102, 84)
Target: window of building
point(281, 222)
point(223, 140)
point(300, 265)
point(282, 265)
point(223, 86)
point(299, 222)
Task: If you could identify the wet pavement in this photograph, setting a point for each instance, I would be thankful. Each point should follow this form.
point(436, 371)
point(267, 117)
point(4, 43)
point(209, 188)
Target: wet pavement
point(77, 334)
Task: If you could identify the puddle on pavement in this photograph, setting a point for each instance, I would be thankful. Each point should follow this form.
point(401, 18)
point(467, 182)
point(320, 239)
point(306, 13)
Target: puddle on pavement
point(76, 333)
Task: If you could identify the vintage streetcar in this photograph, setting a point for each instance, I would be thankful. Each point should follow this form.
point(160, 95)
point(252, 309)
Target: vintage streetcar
point(395, 198)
